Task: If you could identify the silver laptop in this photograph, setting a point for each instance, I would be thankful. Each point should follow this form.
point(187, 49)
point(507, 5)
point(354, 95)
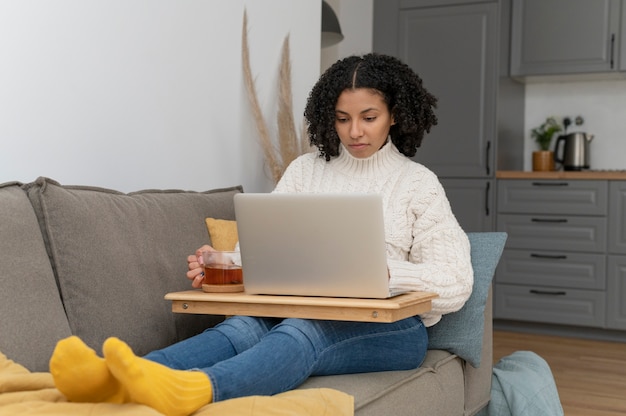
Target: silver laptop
point(313, 244)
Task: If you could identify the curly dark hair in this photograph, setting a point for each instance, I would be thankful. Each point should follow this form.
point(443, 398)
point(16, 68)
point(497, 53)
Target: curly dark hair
point(407, 100)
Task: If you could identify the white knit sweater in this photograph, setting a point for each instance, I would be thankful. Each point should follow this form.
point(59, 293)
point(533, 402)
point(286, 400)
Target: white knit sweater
point(426, 248)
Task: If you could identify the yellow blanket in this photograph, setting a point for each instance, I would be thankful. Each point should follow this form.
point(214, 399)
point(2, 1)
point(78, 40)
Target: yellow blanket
point(26, 393)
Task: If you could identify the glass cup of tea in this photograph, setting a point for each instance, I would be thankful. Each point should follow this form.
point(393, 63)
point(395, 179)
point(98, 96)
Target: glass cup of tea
point(222, 271)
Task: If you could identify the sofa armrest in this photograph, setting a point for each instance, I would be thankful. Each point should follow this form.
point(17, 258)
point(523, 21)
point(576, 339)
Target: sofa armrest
point(478, 380)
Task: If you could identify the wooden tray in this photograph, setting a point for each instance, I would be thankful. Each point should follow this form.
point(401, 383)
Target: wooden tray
point(308, 307)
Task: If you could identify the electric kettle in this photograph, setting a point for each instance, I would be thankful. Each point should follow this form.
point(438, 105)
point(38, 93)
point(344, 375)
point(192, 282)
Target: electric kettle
point(574, 154)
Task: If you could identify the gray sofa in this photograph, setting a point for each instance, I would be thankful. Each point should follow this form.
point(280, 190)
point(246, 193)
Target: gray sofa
point(96, 263)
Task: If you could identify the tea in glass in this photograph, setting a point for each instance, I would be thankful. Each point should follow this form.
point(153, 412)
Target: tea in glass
point(222, 271)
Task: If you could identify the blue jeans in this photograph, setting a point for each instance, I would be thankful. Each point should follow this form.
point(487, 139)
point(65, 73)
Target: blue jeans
point(246, 356)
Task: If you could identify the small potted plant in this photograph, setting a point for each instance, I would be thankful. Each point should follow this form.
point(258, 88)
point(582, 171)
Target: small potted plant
point(543, 159)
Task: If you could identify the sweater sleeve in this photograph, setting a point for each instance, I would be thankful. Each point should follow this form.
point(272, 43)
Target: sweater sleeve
point(438, 260)
point(292, 179)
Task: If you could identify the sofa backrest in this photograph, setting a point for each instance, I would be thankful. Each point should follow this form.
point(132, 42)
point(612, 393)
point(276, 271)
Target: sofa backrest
point(468, 332)
point(113, 257)
point(32, 318)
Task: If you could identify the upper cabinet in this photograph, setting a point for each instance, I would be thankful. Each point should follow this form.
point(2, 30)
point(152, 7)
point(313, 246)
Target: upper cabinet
point(458, 47)
point(453, 48)
point(563, 37)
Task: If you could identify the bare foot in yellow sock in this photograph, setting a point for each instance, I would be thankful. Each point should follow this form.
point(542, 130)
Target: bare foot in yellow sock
point(172, 392)
point(81, 375)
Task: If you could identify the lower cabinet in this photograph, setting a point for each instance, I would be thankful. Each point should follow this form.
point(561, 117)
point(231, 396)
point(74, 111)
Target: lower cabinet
point(616, 273)
point(555, 305)
point(565, 261)
point(616, 293)
point(568, 233)
point(553, 269)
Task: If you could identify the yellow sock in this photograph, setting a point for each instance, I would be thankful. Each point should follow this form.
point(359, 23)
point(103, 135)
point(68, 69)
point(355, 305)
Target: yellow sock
point(172, 392)
point(81, 375)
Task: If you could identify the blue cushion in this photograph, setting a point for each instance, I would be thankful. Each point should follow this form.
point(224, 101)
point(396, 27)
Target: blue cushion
point(461, 332)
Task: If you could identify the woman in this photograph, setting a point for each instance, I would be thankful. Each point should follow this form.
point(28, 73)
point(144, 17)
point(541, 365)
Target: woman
point(367, 116)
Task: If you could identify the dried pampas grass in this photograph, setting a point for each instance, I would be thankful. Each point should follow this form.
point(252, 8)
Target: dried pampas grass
point(288, 146)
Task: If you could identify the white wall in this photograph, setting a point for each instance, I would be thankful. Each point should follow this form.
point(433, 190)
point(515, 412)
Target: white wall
point(134, 94)
point(602, 104)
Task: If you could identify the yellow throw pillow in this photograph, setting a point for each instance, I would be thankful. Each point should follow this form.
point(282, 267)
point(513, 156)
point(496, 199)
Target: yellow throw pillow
point(223, 234)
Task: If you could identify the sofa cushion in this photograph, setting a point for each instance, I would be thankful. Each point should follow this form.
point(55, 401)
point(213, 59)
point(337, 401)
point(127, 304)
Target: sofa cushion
point(32, 314)
point(461, 332)
point(116, 255)
point(435, 388)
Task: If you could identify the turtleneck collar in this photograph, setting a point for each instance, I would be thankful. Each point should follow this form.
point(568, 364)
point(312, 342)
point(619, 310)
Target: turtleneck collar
point(382, 162)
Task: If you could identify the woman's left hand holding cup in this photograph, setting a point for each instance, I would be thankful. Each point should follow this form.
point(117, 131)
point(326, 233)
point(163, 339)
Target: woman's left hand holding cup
point(196, 266)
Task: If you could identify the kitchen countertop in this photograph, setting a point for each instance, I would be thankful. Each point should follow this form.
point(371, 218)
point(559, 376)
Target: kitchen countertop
point(586, 174)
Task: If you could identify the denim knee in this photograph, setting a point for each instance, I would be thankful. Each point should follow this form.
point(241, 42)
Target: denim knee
point(244, 331)
point(303, 332)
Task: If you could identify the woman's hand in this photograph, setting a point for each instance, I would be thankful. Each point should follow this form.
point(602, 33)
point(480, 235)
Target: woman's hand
point(195, 265)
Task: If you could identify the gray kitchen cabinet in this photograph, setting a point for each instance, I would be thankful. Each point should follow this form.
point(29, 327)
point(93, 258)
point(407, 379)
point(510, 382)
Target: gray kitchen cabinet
point(575, 233)
point(454, 47)
point(550, 305)
point(560, 37)
point(525, 196)
point(616, 301)
point(622, 40)
point(616, 293)
point(461, 144)
point(466, 196)
point(554, 267)
point(617, 213)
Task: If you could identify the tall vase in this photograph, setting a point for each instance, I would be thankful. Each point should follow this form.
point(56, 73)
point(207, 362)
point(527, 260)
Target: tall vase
point(543, 160)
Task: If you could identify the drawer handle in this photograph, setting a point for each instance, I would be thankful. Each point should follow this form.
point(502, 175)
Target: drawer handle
point(548, 292)
point(550, 184)
point(556, 220)
point(548, 256)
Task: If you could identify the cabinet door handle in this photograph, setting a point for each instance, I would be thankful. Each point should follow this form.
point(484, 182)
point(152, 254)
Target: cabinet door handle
point(612, 48)
point(548, 292)
point(550, 184)
point(487, 151)
point(552, 220)
point(548, 256)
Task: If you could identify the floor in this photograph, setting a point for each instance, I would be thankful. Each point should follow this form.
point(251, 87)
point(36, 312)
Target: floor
point(590, 375)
